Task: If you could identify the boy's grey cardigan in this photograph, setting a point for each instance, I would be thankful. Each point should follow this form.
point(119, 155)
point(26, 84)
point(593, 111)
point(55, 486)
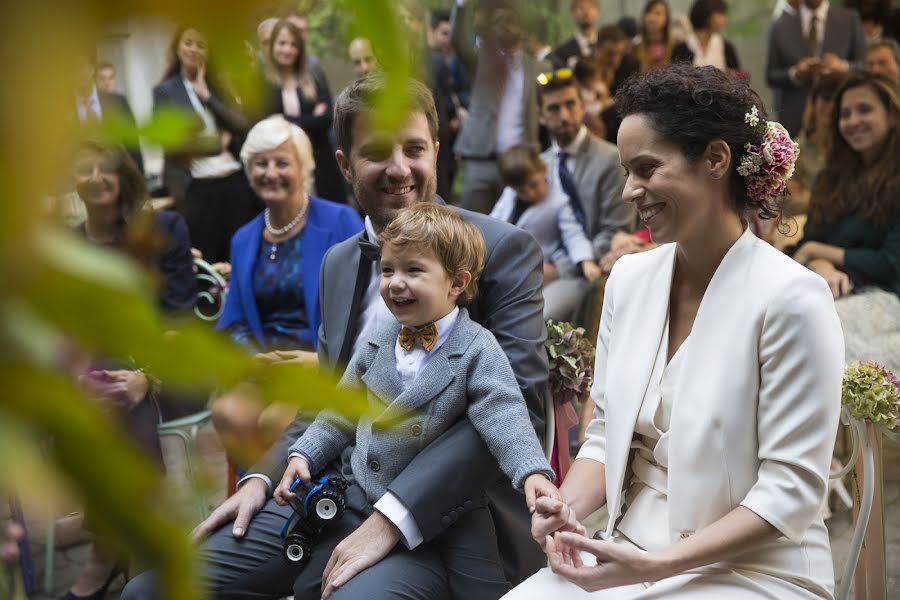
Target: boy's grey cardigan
point(469, 374)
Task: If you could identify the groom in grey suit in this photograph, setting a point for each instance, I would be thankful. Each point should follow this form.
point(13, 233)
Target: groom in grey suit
point(389, 171)
point(805, 43)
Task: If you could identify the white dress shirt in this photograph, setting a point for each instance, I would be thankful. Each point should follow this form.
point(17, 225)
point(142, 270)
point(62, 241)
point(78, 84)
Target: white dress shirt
point(713, 56)
point(410, 363)
point(510, 117)
point(209, 167)
point(89, 103)
point(372, 309)
point(570, 150)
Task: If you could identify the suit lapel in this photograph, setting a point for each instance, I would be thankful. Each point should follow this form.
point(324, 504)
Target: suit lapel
point(344, 315)
point(381, 378)
point(634, 344)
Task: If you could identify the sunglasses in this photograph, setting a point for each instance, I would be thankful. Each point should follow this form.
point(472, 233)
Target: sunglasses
point(559, 74)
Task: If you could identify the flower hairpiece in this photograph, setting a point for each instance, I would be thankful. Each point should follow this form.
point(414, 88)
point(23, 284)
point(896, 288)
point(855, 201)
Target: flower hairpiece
point(767, 167)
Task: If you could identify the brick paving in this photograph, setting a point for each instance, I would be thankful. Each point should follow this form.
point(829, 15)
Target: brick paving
point(68, 560)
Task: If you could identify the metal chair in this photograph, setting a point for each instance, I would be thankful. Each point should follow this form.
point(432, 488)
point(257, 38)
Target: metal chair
point(212, 289)
point(176, 428)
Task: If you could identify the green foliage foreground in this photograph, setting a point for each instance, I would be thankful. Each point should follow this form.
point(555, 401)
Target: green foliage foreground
point(59, 290)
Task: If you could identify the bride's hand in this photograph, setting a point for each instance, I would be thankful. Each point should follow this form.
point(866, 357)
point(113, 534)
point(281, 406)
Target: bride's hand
point(552, 515)
point(617, 564)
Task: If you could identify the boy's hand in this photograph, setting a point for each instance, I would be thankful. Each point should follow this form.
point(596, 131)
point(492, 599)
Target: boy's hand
point(297, 467)
point(536, 486)
point(591, 270)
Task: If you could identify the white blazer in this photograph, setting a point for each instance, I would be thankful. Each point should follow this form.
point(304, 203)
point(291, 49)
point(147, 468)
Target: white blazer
point(757, 403)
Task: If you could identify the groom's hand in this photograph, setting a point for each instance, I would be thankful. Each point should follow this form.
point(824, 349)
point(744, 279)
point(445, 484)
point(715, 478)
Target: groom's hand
point(241, 507)
point(360, 550)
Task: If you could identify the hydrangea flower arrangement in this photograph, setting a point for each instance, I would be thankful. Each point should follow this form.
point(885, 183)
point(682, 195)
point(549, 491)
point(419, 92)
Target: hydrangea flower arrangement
point(870, 391)
point(768, 166)
point(571, 357)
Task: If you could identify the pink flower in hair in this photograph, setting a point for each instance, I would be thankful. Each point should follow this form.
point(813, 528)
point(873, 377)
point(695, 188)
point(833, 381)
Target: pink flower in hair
point(768, 166)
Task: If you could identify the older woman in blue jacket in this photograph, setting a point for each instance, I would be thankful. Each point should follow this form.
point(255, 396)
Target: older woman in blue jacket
point(272, 306)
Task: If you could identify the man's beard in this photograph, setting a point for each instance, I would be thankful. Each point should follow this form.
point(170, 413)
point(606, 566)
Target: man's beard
point(381, 215)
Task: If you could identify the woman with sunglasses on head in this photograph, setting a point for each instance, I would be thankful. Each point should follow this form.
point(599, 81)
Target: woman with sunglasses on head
point(852, 235)
point(114, 192)
point(715, 422)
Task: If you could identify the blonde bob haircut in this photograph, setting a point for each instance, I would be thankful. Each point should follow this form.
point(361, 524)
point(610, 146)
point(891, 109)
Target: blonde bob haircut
point(272, 132)
point(457, 243)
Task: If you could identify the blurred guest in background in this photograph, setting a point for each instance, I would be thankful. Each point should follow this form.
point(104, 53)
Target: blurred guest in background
point(852, 236)
point(654, 44)
point(883, 58)
point(105, 77)
point(585, 16)
point(705, 45)
point(362, 57)
point(113, 191)
point(202, 173)
point(804, 44)
point(305, 100)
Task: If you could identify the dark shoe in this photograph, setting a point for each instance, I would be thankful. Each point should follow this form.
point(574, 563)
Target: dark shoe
point(100, 593)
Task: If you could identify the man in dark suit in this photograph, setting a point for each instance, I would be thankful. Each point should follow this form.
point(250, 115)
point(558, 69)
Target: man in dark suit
point(806, 43)
point(390, 171)
point(95, 107)
point(585, 15)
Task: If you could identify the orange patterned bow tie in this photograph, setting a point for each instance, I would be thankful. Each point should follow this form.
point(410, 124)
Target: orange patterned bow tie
point(427, 336)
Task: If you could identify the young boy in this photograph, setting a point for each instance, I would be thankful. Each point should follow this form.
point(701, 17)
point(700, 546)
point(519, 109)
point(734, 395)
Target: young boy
point(424, 371)
point(547, 214)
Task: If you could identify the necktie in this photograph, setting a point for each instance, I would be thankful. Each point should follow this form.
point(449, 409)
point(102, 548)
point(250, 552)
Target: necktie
point(567, 181)
point(519, 208)
point(369, 250)
point(427, 337)
point(812, 39)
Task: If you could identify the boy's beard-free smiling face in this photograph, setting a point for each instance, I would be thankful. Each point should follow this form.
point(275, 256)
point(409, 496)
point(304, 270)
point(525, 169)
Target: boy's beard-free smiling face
point(415, 285)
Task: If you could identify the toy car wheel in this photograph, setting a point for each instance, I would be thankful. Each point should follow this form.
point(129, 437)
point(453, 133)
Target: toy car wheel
point(297, 549)
point(327, 505)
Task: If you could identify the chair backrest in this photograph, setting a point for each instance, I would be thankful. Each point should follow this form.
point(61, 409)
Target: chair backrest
point(211, 291)
point(861, 444)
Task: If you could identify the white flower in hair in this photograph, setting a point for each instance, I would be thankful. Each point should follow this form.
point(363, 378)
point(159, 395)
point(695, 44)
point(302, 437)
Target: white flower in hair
point(752, 117)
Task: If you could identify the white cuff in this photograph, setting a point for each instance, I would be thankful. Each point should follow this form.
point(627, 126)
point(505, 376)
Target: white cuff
point(248, 476)
point(392, 508)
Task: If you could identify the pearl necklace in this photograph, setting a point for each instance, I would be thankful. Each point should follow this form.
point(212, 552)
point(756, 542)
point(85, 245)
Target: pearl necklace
point(273, 251)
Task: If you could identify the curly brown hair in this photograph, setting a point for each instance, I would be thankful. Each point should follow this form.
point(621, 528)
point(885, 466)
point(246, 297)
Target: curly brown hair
point(690, 107)
point(850, 186)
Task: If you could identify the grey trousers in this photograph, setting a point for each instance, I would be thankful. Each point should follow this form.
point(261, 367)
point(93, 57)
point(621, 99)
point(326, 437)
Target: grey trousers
point(255, 567)
point(563, 297)
point(481, 185)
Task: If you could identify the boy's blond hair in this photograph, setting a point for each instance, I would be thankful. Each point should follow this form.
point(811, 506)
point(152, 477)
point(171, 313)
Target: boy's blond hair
point(457, 243)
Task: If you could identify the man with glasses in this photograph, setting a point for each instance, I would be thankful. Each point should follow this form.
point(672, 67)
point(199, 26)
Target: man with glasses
point(503, 107)
point(586, 169)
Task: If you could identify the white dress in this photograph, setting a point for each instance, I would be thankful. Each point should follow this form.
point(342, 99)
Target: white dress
point(644, 522)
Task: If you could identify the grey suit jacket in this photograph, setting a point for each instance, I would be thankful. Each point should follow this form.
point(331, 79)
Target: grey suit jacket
point(440, 484)
point(844, 37)
point(478, 138)
point(468, 375)
point(600, 179)
point(553, 224)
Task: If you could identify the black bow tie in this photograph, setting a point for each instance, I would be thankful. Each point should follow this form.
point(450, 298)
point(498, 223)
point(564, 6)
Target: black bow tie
point(368, 249)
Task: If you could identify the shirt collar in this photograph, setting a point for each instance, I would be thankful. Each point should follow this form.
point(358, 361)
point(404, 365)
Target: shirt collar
point(571, 149)
point(821, 13)
point(370, 231)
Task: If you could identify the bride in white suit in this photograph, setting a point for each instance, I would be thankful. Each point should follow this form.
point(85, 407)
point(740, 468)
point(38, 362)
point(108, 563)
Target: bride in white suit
point(718, 375)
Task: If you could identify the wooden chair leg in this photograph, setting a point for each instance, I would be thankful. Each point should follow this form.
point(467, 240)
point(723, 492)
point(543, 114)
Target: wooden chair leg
point(232, 478)
point(869, 579)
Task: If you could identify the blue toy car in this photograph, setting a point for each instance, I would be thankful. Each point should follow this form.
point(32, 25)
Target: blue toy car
point(316, 505)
